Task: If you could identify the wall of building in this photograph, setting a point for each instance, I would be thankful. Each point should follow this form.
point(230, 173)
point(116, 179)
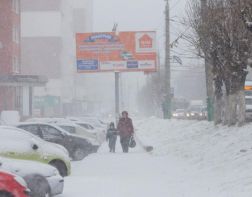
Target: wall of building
point(45, 5)
point(41, 55)
point(48, 43)
point(10, 97)
point(9, 37)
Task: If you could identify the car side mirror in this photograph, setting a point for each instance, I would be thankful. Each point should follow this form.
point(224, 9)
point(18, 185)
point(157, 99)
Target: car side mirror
point(35, 147)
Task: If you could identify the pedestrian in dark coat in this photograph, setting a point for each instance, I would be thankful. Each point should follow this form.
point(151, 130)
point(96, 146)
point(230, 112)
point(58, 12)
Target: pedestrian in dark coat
point(126, 130)
point(112, 137)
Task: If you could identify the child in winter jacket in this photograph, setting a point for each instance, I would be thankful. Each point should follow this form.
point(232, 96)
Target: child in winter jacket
point(112, 137)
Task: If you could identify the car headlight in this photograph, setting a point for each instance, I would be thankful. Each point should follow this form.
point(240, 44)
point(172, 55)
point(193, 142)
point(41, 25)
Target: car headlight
point(192, 114)
point(20, 181)
point(188, 115)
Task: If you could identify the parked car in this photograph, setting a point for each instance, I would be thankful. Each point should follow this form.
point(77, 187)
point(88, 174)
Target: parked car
point(75, 129)
point(12, 185)
point(95, 122)
point(19, 144)
point(99, 133)
point(43, 180)
point(77, 147)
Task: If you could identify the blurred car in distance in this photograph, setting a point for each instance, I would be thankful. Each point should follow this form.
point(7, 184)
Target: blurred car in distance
point(75, 129)
point(196, 112)
point(179, 114)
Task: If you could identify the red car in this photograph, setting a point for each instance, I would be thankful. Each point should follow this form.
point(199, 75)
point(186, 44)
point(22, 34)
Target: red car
point(12, 185)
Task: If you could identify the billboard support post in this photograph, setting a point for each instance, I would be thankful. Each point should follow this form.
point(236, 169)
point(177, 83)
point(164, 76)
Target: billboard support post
point(117, 96)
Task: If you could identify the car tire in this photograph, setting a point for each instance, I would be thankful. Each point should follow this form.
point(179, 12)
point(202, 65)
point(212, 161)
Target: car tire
point(61, 167)
point(5, 194)
point(79, 154)
point(38, 185)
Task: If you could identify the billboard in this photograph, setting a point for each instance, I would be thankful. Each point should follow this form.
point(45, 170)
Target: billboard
point(111, 52)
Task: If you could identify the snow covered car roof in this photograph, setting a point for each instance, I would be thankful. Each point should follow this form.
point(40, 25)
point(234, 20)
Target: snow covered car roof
point(44, 123)
point(23, 167)
point(48, 147)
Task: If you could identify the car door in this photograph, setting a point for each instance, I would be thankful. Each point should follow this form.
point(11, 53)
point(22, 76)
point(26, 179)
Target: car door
point(19, 145)
point(51, 134)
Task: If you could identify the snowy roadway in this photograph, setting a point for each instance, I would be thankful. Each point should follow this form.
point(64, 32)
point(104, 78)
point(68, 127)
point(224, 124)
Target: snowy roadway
point(135, 174)
point(190, 159)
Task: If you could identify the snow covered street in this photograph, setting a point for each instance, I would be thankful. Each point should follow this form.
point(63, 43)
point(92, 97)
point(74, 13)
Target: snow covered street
point(190, 159)
point(135, 174)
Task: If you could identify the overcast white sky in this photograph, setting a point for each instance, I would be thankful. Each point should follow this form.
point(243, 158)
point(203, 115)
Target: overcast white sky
point(134, 15)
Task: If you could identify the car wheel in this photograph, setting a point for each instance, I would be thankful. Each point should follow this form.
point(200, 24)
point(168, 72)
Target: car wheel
point(5, 194)
point(38, 185)
point(61, 167)
point(79, 154)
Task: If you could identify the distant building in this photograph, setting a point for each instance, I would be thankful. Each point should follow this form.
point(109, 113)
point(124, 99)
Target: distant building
point(15, 89)
point(48, 48)
point(9, 53)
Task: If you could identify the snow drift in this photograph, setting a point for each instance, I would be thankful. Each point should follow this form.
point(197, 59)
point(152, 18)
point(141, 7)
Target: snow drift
point(220, 155)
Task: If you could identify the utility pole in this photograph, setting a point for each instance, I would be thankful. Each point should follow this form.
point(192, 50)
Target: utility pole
point(117, 87)
point(167, 69)
point(117, 96)
point(208, 69)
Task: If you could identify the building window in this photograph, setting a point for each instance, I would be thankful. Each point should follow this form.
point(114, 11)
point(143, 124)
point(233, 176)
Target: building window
point(15, 34)
point(18, 98)
point(13, 5)
point(15, 65)
point(16, 6)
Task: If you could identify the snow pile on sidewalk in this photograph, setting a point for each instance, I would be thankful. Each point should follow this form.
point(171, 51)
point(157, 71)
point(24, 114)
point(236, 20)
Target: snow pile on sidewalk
point(220, 155)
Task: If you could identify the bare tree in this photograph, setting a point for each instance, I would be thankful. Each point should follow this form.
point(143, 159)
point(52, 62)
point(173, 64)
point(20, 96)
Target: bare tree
point(226, 43)
point(151, 96)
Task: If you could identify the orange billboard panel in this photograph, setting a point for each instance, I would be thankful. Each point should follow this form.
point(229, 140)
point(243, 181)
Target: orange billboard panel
point(111, 52)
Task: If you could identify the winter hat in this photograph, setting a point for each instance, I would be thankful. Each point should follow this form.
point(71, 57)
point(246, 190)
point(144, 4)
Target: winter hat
point(125, 112)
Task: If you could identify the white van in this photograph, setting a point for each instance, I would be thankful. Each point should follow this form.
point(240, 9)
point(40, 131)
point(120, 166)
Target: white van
point(9, 117)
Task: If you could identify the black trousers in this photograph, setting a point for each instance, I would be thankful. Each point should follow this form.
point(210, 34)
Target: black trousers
point(112, 143)
point(125, 144)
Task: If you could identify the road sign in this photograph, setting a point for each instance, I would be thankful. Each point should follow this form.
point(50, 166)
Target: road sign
point(111, 52)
